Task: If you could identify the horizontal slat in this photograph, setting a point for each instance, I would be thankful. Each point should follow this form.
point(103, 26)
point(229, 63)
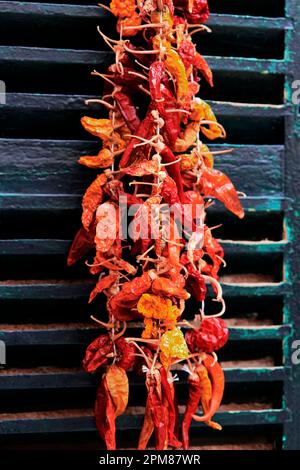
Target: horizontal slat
point(89, 11)
point(50, 166)
point(49, 379)
point(51, 102)
point(251, 248)
point(21, 335)
point(95, 58)
point(78, 290)
point(85, 421)
point(57, 202)
point(47, 247)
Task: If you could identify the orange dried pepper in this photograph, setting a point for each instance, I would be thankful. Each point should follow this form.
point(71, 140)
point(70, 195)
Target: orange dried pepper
point(91, 200)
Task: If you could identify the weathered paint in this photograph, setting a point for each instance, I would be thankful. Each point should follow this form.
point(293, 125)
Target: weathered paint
point(291, 437)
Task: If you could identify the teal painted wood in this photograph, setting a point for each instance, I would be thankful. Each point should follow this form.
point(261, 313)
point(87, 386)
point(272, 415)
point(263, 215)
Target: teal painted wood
point(73, 424)
point(48, 247)
point(83, 334)
point(291, 438)
point(69, 202)
point(56, 379)
point(80, 289)
point(61, 56)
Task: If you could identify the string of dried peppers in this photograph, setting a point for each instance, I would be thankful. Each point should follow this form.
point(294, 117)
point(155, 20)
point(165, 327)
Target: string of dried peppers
point(152, 157)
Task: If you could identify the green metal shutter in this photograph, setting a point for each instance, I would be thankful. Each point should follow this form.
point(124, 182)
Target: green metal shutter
point(46, 54)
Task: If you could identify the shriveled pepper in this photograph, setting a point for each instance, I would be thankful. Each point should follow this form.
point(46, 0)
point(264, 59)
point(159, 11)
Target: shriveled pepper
point(173, 347)
point(210, 336)
point(163, 101)
point(104, 159)
point(216, 376)
point(105, 415)
point(144, 131)
point(81, 245)
point(172, 407)
point(111, 401)
point(127, 109)
point(215, 184)
point(158, 411)
point(91, 200)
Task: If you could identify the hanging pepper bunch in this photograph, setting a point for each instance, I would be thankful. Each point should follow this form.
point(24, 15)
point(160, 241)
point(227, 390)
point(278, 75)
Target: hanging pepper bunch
point(152, 157)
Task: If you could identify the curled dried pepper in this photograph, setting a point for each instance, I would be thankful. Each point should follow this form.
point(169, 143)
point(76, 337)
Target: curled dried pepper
point(191, 407)
point(216, 376)
point(104, 159)
point(103, 284)
point(215, 184)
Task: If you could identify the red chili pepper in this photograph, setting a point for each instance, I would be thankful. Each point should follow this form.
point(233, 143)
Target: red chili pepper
point(162, 98)
point(213, 249)
point(215, 184)
point(216, 376)
point(201, 64)
point(125, 354)
point(169, 191)
point(195, 283)
point(144, 131)
point(191, 407)
point(105, 415)
point(148, 427)
point(158, 412)
point(172, 407)
point(173, 169)
point(127, 109)
point(103, 283)
point(212, 335)
point(81, 245)
point(187, 51)
point(97, 351)
point(92, 199)
point(172, 119)
point(95, 355)
point(199, 13)
point(121, 304)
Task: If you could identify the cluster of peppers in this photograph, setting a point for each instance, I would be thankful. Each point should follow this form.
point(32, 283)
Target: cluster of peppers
point(152, 155)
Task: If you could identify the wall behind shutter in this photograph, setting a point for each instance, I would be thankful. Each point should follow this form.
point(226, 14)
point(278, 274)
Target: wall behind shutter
point(46, 54)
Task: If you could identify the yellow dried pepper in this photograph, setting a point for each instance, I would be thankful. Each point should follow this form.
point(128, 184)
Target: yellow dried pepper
point(173, 347)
